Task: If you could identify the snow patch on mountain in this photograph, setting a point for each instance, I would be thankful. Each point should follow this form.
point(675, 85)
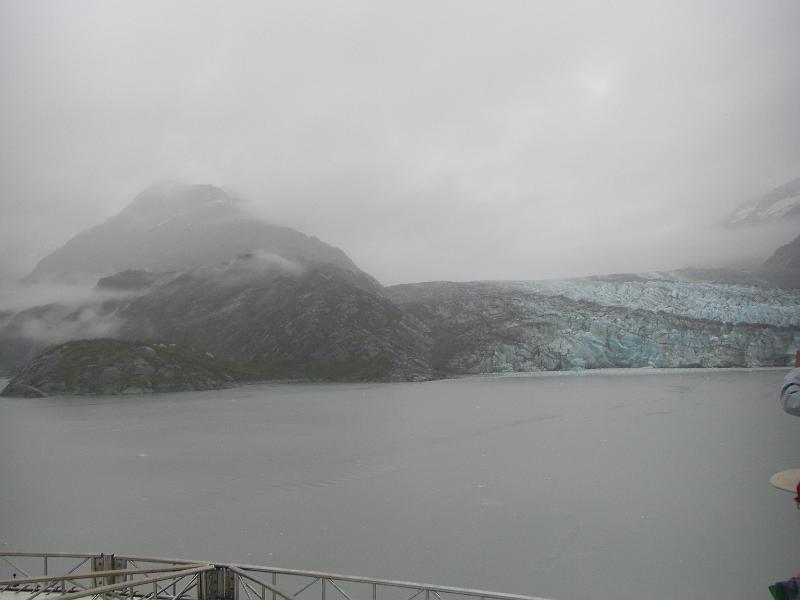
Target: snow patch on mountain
point(780, 203)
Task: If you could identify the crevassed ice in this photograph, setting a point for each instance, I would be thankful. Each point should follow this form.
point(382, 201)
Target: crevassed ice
point(711, 301)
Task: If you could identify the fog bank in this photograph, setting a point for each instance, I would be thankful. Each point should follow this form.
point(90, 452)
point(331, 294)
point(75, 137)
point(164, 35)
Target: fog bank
point(451, 140)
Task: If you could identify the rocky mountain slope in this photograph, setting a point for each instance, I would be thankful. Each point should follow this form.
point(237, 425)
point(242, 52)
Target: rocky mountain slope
point(275, 318)
point(783, 267)
point(171, 226)
point(105, 366)
point(314, 322)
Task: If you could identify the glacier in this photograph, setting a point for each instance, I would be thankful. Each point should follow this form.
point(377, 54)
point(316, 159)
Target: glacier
point(655, 321)
point(668, 293)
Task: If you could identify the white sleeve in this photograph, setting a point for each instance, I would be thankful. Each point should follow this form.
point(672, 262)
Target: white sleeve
point(790, 393)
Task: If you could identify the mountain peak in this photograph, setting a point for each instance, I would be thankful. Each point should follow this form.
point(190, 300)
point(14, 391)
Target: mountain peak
point(172, 226)
point(173, 197)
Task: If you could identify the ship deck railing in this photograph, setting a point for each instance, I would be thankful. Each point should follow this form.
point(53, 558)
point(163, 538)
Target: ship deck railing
point(70, 576)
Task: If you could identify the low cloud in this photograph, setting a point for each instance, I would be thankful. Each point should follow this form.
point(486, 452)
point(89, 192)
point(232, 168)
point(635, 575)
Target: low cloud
point(61, 323)
point(268, 261)
point(17, 296)
point(252, 267)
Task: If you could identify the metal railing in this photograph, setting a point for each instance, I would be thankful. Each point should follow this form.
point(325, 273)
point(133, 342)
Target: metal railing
point(69, 576)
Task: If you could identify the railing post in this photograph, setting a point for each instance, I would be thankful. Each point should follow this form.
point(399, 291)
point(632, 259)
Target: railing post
point(99, 564)
point(219, 584)
point(107, 562)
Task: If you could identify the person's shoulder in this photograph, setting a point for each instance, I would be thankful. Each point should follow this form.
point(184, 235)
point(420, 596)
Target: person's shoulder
point(792, 377)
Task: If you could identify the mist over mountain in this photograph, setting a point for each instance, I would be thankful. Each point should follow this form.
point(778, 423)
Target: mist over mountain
point(779, 204)
point(171, 226)
point(783, 267)
point(184, 264)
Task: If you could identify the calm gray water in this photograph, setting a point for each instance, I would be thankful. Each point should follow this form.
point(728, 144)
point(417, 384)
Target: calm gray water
point(602, 485)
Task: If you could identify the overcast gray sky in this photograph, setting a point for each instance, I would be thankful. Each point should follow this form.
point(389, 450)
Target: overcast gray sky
point(429, 140)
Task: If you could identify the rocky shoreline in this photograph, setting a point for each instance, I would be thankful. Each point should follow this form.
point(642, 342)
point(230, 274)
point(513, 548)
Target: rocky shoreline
point(107, 367)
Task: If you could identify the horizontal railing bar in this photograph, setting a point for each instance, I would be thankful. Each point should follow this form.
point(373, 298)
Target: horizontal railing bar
point(96, 591)
point(92, 574)
point(51, 554)
point(51, 590)
point(158, 559)
point(50, 584)
point(391, 583)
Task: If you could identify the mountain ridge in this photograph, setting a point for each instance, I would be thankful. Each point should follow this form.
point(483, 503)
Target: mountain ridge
point(277, 304)
point(172, 226)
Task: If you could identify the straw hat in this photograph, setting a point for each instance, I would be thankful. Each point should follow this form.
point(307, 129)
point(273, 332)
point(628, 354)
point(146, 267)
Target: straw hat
point(786, 480)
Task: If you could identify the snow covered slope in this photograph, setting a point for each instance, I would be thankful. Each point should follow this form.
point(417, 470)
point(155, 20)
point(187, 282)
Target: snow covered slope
point(781, 203)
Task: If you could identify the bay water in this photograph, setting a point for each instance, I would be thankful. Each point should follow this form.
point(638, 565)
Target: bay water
point(605, 484)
